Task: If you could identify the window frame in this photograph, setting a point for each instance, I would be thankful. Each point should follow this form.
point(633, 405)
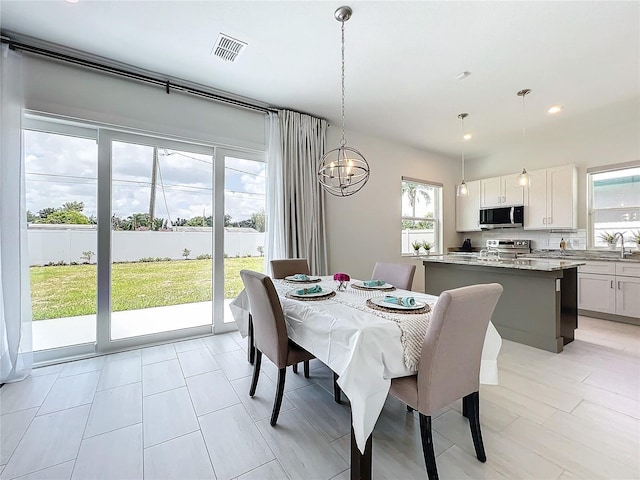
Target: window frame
point(591, 172)
point(437, 220)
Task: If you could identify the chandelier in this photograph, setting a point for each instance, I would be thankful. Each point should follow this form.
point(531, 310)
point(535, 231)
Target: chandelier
point(462, 190)
point(344, 170)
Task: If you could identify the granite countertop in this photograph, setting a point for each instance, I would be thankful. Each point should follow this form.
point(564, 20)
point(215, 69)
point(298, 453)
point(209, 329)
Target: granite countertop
point(540, 264)
point(593, 255)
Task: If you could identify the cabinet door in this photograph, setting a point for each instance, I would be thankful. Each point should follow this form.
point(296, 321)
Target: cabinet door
point(562, 197)
point(597, 292)
point(628, 296)
point(512, 193)
point(535, 211)
point(490, 192)
point(468, 209)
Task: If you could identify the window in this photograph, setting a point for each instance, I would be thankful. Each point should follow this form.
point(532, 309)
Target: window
point(614, 204)
point(421, 216)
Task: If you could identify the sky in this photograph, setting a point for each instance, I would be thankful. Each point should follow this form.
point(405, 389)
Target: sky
point(62, 169)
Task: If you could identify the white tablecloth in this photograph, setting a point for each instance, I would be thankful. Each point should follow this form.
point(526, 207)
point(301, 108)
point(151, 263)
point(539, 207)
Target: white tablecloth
point(363, 348)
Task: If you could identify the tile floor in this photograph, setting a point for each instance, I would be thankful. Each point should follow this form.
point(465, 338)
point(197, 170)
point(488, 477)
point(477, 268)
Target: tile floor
point(182, 411)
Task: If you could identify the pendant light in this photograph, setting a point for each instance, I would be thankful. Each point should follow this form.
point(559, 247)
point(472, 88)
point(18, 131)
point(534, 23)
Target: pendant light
point(344, 170)
point(462, 190)
point(523, 178)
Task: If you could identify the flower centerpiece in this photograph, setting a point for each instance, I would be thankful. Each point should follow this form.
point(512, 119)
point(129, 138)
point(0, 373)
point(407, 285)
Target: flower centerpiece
point(343, 281)
point(416, 244)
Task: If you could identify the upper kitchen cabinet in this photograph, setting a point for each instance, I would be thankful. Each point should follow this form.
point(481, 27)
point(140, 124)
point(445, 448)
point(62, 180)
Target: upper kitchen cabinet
point(551, 199)
point(468, 209)
point(500, 191)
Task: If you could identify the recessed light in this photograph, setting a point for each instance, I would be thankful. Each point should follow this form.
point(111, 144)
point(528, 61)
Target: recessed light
point(467, 136)
point(555, 109)
point(71, 1)
point(462, 75)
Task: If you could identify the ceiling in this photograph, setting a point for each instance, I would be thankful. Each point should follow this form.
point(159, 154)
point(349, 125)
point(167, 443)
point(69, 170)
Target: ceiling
point(402, 59)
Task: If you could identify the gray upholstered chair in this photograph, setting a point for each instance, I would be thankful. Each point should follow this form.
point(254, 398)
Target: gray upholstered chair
point(289, 266)
point(449, 366)
point(270, 334)
point(400, 275)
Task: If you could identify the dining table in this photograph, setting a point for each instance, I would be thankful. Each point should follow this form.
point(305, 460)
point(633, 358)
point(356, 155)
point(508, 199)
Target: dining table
point(365, 340)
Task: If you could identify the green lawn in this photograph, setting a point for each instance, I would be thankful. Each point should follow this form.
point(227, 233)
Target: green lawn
point(69, 290)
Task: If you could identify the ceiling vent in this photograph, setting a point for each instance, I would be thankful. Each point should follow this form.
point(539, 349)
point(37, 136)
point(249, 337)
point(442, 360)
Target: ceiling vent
point(228, 48)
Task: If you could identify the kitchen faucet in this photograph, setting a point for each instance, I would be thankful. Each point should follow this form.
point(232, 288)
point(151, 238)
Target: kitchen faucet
point(621, 235)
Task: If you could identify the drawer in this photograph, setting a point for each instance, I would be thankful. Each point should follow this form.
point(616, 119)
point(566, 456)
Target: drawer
point(628, 269)
point(605, 268)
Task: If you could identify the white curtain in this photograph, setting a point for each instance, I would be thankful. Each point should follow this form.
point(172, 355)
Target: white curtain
point(275, 243)
point(16, 357)
point(303, 140)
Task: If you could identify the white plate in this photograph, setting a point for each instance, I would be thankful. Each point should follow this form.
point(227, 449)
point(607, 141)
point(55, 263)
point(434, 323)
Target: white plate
point(311, 279)
point(323, 293)
point(385, 286)
point(379, 301)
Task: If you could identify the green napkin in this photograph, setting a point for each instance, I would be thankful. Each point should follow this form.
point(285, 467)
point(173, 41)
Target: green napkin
point(404, 301)
point(306, 291)
point(373, 283)
point(301, 276)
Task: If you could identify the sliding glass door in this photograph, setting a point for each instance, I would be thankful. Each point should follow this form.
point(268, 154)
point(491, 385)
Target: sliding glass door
point(161, 240)
point(135, 239)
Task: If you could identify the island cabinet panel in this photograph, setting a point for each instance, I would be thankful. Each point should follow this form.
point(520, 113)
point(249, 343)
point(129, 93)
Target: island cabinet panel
point(551, 199)
point(468, 209)
point(537, 308)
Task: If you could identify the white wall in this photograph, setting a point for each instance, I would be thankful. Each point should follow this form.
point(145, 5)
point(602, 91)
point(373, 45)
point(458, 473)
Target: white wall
point(366, 227)
point(68, 245)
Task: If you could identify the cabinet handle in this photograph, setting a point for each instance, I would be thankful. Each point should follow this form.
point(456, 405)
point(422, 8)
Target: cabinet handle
point(618, 284)
point(504, 199)
point(499, 199)
point(611, 283)
point(544, 220)
point(549, 221)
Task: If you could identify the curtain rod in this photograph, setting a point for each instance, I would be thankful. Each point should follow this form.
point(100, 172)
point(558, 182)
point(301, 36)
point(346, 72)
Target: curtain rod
point(168, 85)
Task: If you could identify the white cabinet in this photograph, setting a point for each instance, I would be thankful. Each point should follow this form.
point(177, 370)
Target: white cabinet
point(602, 288)
point(551, 199)
point(500, 191)
point(597, 292)
point(468, 209)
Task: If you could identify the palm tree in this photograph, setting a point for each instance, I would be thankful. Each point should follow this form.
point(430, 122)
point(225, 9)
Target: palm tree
point(412, 189)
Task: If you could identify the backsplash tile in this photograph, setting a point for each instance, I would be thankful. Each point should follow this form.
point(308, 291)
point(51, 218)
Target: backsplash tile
point(540, 240)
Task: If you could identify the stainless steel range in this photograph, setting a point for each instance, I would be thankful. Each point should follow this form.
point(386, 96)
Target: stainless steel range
point(508, 247)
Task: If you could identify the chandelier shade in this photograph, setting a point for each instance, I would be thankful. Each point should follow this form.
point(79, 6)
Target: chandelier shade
point(343, 171)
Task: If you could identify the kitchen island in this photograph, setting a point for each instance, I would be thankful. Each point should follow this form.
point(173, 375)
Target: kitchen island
point(539, 304)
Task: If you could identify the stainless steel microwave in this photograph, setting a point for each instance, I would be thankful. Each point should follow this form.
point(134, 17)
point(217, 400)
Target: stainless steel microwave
point(501, 217)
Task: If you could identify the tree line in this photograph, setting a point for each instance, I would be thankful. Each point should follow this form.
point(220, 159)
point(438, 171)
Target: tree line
point(71, 213)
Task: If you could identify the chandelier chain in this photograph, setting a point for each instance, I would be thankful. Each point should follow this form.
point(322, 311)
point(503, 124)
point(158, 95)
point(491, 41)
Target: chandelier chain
point(462, 123)
point(343, 142)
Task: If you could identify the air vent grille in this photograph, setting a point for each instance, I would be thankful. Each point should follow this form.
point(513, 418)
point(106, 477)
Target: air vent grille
point(228, 48)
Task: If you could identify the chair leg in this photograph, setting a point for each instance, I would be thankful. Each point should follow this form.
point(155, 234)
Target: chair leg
point(251, 350)
point(306, 369)
point(465, 406)
point(282, 375)
point(256, 373)
point(410, 409)
point(427, 447)
point(336, 389)
point(295, 368)
point(473, 409)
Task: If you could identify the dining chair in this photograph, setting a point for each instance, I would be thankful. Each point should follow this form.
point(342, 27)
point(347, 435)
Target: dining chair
point(289, 266)
point(449, 366)
point(270, 334)
point(400, 275)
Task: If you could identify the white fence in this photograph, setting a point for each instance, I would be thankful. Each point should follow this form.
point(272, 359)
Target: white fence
point(411, 235)
point(68, 245)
